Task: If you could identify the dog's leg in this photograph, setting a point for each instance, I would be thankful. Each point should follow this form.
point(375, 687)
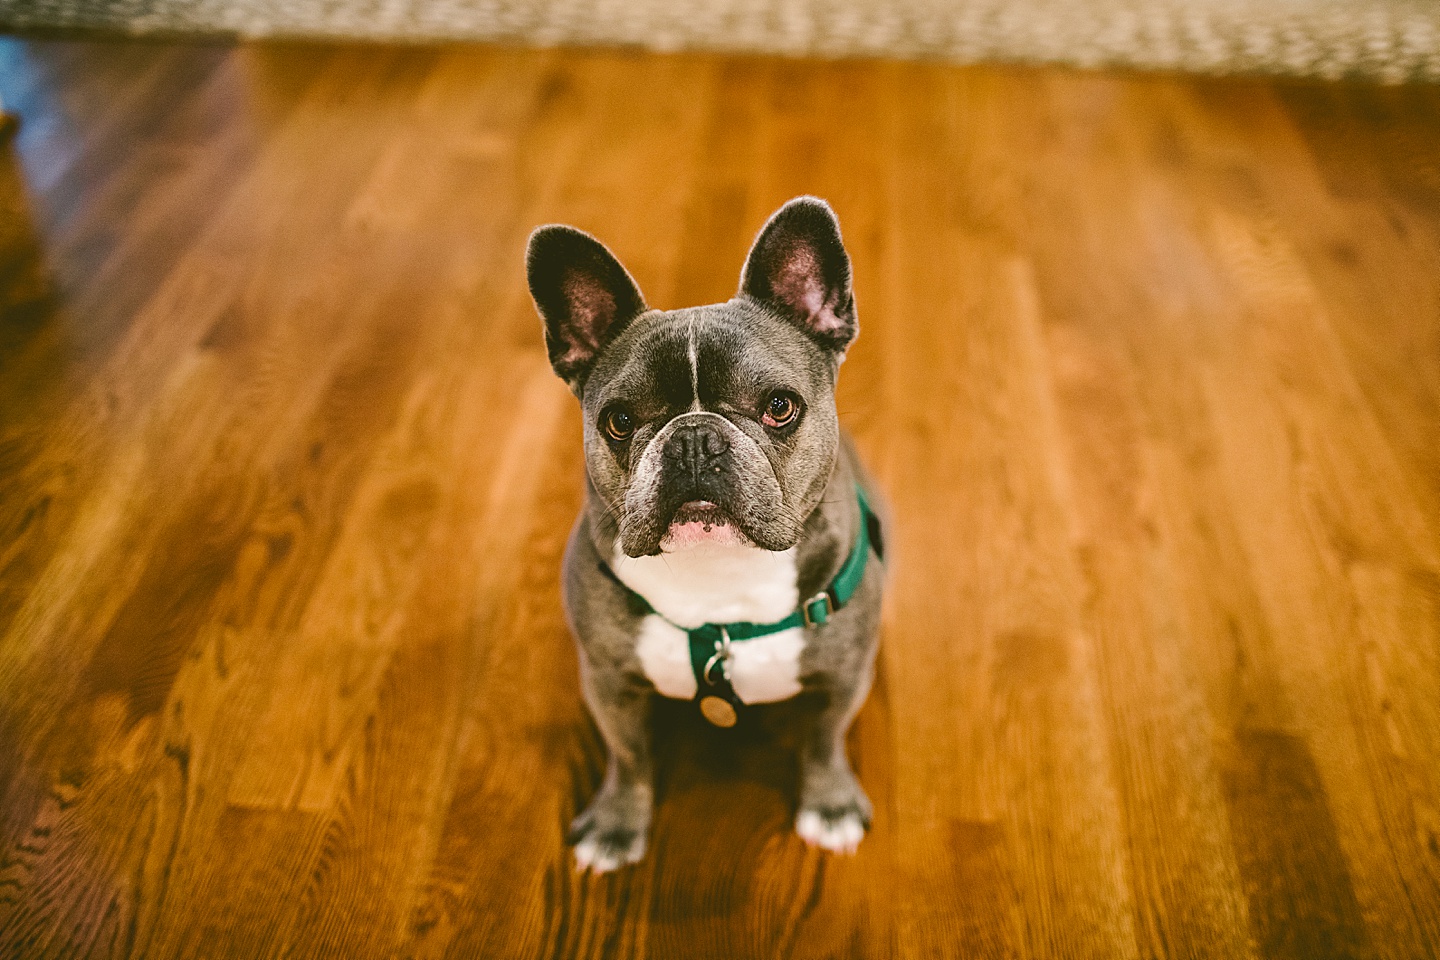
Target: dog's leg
point(834, 811)
point(611, 832)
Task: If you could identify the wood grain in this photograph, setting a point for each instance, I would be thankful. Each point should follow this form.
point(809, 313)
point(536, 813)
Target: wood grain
point(1150, 369)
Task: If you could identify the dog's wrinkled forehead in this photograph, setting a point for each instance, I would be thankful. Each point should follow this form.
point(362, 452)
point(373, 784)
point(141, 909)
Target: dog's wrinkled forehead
point(707, 357)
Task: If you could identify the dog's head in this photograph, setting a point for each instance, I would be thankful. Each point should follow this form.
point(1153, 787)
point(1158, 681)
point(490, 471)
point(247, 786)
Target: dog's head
point(712, 423)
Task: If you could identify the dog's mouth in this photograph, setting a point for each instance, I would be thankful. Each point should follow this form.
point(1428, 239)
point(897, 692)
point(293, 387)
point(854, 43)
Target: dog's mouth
point(700, 521)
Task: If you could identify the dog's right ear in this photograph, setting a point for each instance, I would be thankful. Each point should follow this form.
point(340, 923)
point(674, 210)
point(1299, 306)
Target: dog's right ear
point(583, 294)
point(798, 267)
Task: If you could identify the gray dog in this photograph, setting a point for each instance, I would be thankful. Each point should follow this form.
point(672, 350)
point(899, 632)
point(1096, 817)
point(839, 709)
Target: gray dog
point(728, 552)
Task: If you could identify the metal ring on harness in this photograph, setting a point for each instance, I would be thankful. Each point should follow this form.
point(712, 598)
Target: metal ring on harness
point(721, 657)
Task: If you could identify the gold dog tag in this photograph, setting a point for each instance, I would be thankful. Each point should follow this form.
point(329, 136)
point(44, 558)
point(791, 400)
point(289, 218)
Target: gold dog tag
point(718, 711)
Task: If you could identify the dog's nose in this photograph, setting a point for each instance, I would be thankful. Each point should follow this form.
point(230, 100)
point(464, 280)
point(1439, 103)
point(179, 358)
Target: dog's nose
point(695, 448)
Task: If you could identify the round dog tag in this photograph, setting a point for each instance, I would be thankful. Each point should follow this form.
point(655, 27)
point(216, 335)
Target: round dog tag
point(718, 711)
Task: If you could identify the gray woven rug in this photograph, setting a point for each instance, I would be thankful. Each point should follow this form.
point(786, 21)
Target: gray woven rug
point(1387, 40)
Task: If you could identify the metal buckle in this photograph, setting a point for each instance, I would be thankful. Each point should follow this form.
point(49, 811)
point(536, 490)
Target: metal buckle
point(721, 656)
point(810, 620)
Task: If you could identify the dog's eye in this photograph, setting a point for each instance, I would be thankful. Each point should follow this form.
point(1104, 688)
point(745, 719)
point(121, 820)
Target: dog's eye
point(780, 410)
point(618, 424)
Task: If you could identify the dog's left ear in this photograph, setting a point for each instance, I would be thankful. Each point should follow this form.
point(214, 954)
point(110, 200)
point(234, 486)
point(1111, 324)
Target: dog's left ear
point(583, 294)
point(798, 267)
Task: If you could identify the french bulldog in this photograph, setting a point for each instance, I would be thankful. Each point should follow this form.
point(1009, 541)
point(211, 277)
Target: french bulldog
point(728, 551)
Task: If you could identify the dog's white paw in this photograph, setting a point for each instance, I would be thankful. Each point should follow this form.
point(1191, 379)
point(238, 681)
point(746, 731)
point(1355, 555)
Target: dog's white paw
point(610, 833)
point(838, 831)
point(603, 852)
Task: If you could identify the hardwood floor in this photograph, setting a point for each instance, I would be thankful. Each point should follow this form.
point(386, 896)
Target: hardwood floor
point(1149, 367)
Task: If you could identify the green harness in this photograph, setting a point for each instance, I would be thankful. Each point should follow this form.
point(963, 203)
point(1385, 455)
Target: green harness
point(710, 642)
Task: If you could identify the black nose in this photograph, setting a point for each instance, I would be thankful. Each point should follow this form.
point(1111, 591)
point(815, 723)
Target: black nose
point(696, 449)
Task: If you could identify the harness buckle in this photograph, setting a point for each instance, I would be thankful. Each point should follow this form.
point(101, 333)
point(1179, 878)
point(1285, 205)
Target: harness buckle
point(817, 609)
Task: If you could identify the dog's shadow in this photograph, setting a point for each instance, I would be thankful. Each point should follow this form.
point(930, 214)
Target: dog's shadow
point(725, 800)
point(725, 873)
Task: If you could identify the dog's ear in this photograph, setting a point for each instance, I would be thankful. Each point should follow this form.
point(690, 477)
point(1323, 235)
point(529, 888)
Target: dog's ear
point(798, 267)
point(583, 294)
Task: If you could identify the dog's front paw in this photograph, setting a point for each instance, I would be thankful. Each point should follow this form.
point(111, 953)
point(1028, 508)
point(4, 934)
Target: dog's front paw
point(611, 832)
point(834, 812)
point(837, 830)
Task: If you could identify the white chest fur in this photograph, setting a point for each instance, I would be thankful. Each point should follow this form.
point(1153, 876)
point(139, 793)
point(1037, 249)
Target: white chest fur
point(717, 583)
